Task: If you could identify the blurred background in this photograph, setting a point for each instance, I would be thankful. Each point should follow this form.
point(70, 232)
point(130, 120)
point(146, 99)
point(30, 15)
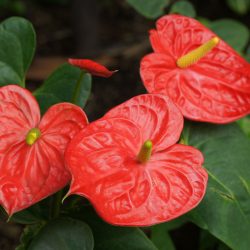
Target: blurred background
point(115, 33)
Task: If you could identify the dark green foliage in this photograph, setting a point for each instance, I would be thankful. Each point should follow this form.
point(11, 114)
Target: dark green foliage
point(63, 234)
point(224, 211)
point(18, 41)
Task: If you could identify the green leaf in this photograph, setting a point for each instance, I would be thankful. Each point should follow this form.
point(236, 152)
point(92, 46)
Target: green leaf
point(209, 242)
point(82, 89)
point(247, 56)
point(184, 8)
point(160, 233)
point(149, 8)
point(161, 238)
point(61, 86)
point(26, 217)
point(108, 237)
point(244, 124)
point(64, 233)
point(11, 68)
point(18, 41)
point(206, 22)
point(37, 213)
point(46, 100)
point(239, 6)
point(225, 209)
point(28, 234)
point(233, 32)
point(25, 33)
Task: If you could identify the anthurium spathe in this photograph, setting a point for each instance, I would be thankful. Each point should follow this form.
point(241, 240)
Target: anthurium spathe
point(129, 165)
point(32, 151)
point(203, 75)
point(92, 67)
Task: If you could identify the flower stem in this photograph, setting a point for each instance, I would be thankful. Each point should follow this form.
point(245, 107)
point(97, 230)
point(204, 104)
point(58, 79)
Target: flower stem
point(56, 206)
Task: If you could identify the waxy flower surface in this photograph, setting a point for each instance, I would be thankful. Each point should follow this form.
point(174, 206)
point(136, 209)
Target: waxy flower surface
point(32, 151)
point(203, 75)
point(92, 67)
point(129, 165)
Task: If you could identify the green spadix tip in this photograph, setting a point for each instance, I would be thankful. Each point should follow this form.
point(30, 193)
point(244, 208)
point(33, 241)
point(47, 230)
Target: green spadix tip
point(32, 136)
point(145, 152)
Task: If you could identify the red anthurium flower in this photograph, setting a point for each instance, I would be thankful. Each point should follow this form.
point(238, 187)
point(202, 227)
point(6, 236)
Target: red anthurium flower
point(92, 67)
point(32, 151)
point(129, 165)
point(204, 76)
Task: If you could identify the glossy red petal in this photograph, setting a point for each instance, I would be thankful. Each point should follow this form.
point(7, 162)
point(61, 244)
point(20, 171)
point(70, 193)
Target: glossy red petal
point(31, 173)
point(215, 89)
point(181, 165)
point(157, 117)
point(92, 67)
point(199, 99)
point(19, 112)
point(65, 118)
point(102, 160)
point(103, 144)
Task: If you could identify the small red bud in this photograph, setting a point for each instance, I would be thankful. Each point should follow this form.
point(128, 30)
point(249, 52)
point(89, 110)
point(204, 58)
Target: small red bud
point(92, 67)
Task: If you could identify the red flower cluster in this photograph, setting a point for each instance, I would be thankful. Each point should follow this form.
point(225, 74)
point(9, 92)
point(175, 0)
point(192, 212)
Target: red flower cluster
point(128, 163)
point(203, 76)
point(31, 151)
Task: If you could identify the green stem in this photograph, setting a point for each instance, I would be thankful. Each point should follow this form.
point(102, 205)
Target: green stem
point(77, 88)
point(57, 203)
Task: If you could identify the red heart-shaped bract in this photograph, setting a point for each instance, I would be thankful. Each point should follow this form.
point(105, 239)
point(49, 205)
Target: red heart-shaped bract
point(29, 173)
point(102, 159)
point(92, 67)
point(215, 89)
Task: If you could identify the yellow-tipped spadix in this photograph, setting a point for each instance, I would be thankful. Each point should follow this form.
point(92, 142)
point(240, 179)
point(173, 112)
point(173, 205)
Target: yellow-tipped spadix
point(145, 152)
point(32, 136)
point(195, 55)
